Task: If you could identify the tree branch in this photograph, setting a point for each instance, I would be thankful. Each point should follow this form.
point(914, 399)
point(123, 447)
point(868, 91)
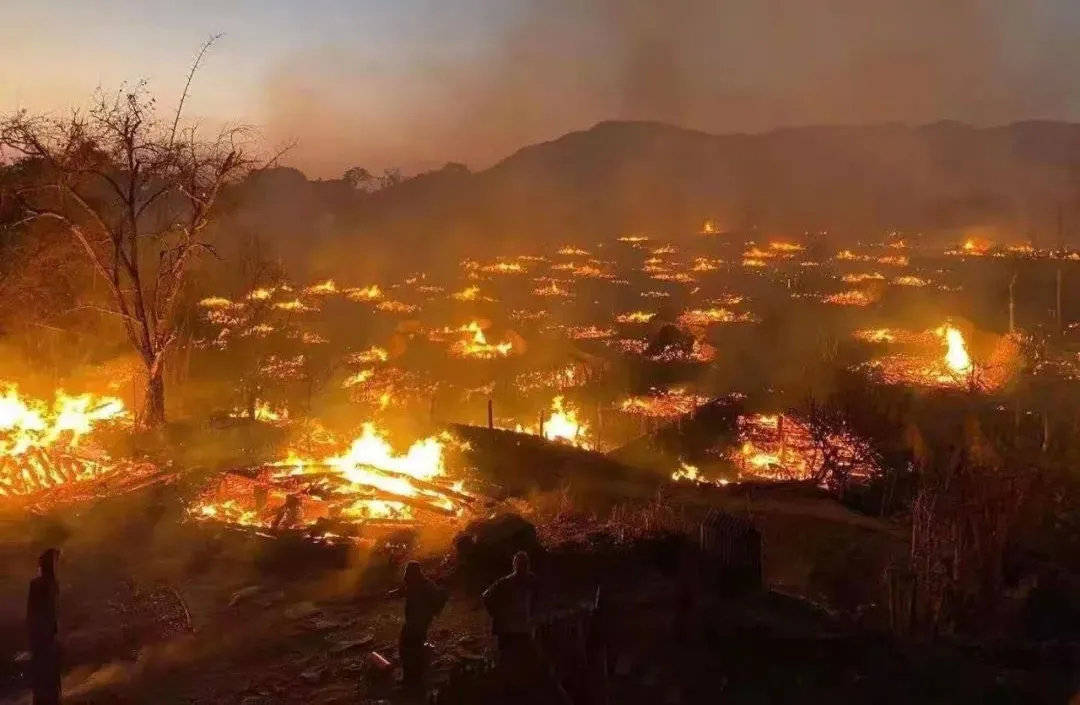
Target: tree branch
point(187, 84)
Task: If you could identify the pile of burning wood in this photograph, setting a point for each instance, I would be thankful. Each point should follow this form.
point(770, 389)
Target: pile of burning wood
point(47, 452)
point(939, 359)
point(337, 496)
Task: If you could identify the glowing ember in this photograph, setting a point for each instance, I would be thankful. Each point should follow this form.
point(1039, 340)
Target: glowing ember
point(976, 247)
point(397, 307)
point(706, 264)
point(552, 289)
point(587, 332)
point(504, 268)
point(322, 289)
point(635, 317)
point(372, 354)
point(700, 351)
point(588, 271)
point(357, 378)
point(782, 447)
point(679, 277)
point(704, 317)
point(862, 277)
point(217, 302)
point(853, 297)
point(294, 306)
point(477, 346)
point(686, 472)
point(670, 403)
point(690, 473)
point(264, 413)
point(895, 335)
point(910, 280)
point(388, 386)
point(367, 293)
point(560, 378)
point(467, 294)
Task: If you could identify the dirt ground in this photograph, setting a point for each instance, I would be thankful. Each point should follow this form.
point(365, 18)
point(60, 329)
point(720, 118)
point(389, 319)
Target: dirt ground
point(275, 624)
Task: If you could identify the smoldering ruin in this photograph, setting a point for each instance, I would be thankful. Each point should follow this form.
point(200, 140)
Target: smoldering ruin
point(739, 411)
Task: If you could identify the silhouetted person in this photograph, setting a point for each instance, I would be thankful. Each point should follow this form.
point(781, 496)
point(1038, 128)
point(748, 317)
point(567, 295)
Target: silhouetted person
point(597, 645)
point(423, 602)
point(509, 601)
point(41, 609)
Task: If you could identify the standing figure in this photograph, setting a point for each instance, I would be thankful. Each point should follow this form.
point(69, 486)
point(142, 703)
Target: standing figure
point(423, 602)
point(41, 627)
point(509, 601)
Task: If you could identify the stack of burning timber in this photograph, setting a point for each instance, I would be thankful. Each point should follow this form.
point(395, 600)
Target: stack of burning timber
point(939, 359)
point(47, 453)
point(342, 497)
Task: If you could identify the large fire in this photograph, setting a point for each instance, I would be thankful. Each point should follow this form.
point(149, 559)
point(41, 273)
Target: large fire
point(368, 481)
point(41, 444)
point(561, 423)
point(564, 425)
point(942, 360)
point(956, 357)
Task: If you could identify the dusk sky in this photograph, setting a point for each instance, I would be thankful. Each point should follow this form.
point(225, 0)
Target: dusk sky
point(419, 82)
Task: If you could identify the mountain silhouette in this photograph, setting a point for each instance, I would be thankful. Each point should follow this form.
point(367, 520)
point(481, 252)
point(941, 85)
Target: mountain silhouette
point(854, 182)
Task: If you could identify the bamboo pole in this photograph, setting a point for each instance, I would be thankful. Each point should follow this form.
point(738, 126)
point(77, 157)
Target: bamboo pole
point(1012, 304)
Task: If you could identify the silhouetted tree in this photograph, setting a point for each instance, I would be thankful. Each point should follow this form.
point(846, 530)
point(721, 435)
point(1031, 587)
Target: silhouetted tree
point(360, 179)
point(137, 195)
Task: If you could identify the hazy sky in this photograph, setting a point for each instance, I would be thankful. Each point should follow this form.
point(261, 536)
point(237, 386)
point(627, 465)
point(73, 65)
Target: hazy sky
point(419, 82)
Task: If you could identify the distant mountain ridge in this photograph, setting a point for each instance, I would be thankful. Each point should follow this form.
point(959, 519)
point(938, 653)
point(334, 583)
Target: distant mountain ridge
point(853, 181)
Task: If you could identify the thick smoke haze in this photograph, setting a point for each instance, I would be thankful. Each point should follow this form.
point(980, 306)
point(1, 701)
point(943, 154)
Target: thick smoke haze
point(743, 66)
point(415, 83)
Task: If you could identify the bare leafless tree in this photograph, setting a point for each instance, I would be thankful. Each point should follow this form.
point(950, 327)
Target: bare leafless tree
point(137, 195)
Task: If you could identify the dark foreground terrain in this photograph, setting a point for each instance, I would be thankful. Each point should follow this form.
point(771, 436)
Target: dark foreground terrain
point(160, 611)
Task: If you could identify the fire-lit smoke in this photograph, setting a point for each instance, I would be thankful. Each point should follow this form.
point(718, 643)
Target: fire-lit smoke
point(558, 65)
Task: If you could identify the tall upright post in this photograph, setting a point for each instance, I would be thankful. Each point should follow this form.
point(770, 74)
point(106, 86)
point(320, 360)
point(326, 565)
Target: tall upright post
point(491, 414)
point(1060, 229)
point(781, 440)
point(1012, 304)
point(1060, 319)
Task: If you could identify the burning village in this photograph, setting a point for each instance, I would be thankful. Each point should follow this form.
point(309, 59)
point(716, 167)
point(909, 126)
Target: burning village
point(638, 415)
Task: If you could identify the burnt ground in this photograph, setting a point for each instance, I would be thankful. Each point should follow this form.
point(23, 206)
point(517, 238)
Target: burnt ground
point(277, 623)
